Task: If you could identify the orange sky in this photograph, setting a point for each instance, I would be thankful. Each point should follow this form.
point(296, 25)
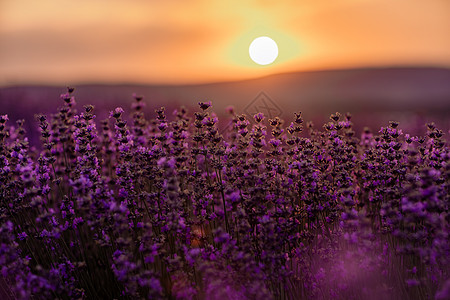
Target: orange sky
point(192, 41)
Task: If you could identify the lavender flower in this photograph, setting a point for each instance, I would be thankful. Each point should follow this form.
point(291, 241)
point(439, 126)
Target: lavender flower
point(171, 208)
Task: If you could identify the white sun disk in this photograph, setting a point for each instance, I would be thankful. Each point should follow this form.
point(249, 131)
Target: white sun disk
point(263, 50)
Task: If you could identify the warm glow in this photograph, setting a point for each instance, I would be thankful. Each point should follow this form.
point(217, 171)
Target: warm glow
point(173, 41)
point(263, 50)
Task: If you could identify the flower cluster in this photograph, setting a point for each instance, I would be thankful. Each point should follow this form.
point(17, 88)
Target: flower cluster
point(170, 208)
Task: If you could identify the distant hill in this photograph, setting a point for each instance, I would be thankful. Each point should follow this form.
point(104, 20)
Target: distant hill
point(373, 95)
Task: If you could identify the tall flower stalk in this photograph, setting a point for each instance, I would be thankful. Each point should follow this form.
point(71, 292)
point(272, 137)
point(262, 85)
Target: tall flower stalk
point(175, 208)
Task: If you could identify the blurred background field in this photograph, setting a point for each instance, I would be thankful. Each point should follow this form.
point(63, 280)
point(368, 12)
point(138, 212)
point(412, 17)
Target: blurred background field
point(411, 96)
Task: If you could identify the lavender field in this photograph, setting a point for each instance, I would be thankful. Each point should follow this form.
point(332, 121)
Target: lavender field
point(170, 205)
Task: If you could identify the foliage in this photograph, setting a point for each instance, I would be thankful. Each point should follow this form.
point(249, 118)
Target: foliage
point(173, 208)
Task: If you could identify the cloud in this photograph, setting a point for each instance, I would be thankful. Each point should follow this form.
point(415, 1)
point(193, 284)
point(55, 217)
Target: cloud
point(104, 42)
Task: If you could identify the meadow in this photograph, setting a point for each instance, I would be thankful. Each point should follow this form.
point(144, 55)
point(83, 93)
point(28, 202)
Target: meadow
point(172, 206)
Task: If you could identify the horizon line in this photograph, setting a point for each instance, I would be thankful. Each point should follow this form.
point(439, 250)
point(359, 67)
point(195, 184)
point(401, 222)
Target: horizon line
point(187, 84)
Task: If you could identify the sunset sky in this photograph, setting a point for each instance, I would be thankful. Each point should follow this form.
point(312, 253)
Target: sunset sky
point(196, 41)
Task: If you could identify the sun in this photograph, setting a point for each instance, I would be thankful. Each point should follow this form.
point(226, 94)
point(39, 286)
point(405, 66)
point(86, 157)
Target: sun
point(263, 50)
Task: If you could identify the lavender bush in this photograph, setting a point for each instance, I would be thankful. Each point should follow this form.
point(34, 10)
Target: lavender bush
point(170, 208)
